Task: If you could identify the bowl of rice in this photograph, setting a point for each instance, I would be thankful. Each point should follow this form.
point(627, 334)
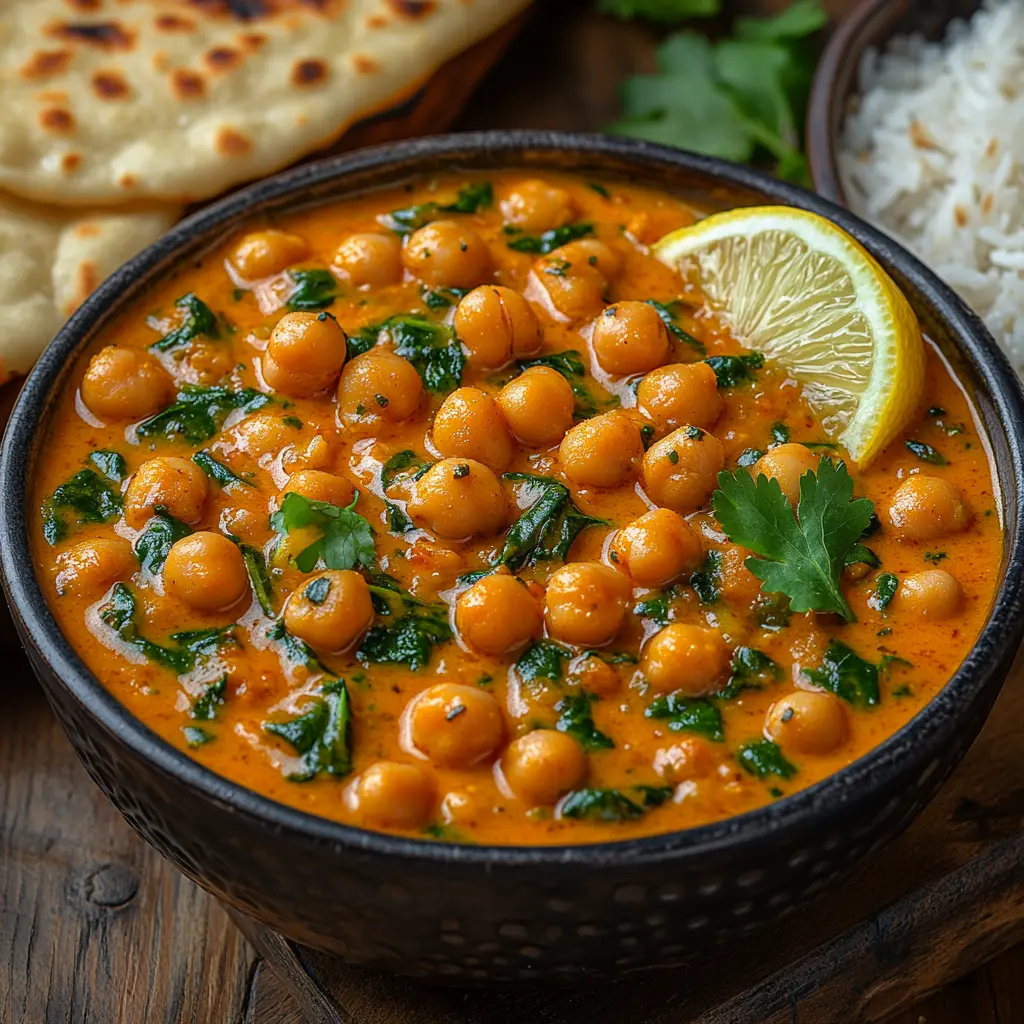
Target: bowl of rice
point(916, 124)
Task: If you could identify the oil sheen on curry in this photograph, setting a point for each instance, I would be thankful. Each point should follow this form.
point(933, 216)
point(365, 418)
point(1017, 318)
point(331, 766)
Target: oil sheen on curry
point(432, 511)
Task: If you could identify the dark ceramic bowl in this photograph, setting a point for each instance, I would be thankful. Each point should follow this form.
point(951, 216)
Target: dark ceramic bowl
point(870, 23)
point(463, 913)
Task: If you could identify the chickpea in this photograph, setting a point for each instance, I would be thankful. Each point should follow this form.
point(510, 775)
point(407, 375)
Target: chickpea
point(576, 290)
point(928, 507)
point(330, 611)
point(672, 396)
point(206, 571)
point(606, 260)
point(125, 384)
point(379, 385)
point(178, 485)
point(538, 406)
point(595, 676)
point(932, 594)
point(465, 807)
point(459, 498)
point(393, 795)
point(447, 254)
point(258, 436)
point(542, 766)
point(786, 464)
point(586, 603)
point(470, 425)
point(454, 726)
point(370, 260)
point(537, 206)
point(206, 363)
point(692, 659)
point(681, 470)
point(496, 325)
point(263, 253)
point(305, 354)
point(689, 758)
point(807, 722)
point(629, 338)
point(91, 566)
point(498, 614)
point(317, 485)
point(657, 548)
point(602, 451)
point(739, 585)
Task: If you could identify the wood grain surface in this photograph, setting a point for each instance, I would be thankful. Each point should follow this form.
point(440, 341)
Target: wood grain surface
point(96, 928)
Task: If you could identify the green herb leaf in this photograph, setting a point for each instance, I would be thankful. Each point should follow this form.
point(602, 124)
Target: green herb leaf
point(297, 651)
point(470, 199)
point(799, 19)
point(926, 453)
point(313, 289)
point(576, 719)
point(801, 555)
point(707, 581)
point(322, 735)
point(780, 433)
point(408, 641)
point(156, 540)
point(259, 577)
point(599, 805)
point(847, 675)
point(197, 320)
point(110, 464)
point(731, 371)
point(197, 736)
point(217, 471)
point(669, 312)
point(442, 298)
point(660, 10)
point(431, 347)
point(543, 660)
point(763, 758)
point(547, 529)
point(88, 496)
point(751, 669)
point(885, 590)
point(197, 412)
point(399, 463)
point(346, 539)
point(543, 244)
point(688, 714)
point(204, 707)
point(860, 554)
point(656, 608)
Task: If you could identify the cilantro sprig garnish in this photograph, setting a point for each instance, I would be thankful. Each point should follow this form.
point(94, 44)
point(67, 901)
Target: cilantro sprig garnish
point(800, 555)
point(345, 541)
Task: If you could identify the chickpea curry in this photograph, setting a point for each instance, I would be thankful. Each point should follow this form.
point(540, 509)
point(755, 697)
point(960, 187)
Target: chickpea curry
point(449, 510)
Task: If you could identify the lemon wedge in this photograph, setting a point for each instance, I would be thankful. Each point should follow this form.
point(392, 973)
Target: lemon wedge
point(794, 286)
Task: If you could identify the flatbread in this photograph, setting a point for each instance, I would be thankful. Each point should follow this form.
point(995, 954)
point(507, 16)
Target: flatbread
point(106, 101)
point(50, 260)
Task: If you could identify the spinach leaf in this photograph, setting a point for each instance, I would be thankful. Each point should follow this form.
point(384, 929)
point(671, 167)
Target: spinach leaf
point(749, 456)
point(570, 365)
point(346, 539)
point(751, 669)
point(926, 453)
point(322, 734)
point(763, 758)
point(886, 585)
point(197, 412)
point(731, 371)
point(612, 804)
point(669, 311)
point(313, 289)
point(157, 539)
point(547, 242)
point(543, 660)
point(408, 641)
point(217, 471)
point(431, 347)
point(547, 529)
point(576, 719)
point(471, 198)
point(847, 675)
point(442, 298)
point(197, 320)
point(780, 433)
point(297, 651)
point(86, 494)
point(110, 463)
point(204, 707)
point(259, 577)
point(707, 581)
point(197, 736)
point(860, 554)
point(399, 463)
point(657, 608)
point(688, 714)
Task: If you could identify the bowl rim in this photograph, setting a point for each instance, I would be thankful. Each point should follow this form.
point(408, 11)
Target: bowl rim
point(809, 808)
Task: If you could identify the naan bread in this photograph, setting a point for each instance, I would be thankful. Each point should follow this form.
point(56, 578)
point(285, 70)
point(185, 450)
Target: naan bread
point(50, 260)
point(107, 101)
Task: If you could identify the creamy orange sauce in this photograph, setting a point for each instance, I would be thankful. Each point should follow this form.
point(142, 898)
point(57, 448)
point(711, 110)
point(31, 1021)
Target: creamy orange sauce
point(263, 684)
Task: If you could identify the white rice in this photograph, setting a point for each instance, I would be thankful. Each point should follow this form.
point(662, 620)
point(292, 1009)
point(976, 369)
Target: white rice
point(933, 153)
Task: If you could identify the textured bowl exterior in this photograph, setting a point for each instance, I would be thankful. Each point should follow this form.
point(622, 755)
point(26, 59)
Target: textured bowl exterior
point(463, 913)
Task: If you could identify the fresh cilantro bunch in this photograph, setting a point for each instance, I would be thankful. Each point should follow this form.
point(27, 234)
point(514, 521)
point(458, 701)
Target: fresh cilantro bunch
point(738, 98)
point(801, 555)
point(345, 541)
point(660, 10)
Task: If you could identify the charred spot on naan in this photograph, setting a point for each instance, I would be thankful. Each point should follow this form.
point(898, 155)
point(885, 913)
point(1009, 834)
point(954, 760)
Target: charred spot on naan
point(187, 85)
point(57, 120)
point(110, 85)
point(46, 63)
point(309, 73)
point(107, 35)
point(232, 142)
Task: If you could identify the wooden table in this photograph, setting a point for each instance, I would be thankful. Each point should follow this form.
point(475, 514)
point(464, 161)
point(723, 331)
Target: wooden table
point(95, 927)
